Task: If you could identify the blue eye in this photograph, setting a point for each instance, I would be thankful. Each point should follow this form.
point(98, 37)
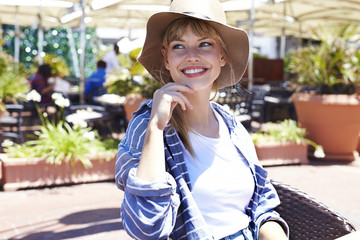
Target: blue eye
point(178, 46)
point(205, 44)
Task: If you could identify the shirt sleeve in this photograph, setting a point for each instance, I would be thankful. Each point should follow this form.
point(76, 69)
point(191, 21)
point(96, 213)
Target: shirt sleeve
point(268, 200)
point(149, 209)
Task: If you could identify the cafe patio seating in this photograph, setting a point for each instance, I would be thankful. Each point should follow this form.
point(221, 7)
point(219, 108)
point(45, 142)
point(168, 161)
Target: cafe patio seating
point(258, 101)
point(308, 218)
point(239, 101)
point(278, 97)
point(11, 123)
point(95, 116)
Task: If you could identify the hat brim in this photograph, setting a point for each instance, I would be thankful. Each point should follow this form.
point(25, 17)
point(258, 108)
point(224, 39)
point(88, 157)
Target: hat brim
point(235, 39)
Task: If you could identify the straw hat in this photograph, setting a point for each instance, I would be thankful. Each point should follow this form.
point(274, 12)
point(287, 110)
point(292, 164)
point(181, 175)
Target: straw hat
point(236, 40)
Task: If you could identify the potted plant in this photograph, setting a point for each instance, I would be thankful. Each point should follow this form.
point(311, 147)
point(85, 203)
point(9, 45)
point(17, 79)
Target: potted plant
point(59, 68)
point(13, 84)
point(283, 143)
point(59, 154)
point(132, 81)
point(330, 111)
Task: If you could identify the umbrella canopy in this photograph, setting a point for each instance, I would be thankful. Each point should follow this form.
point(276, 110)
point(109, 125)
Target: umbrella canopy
point(272, 18)
point(298, 17)
point(135, 13)
point(125, 14)
point(27, 13)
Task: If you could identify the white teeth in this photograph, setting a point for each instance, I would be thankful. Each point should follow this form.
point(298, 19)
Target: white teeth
point(192, 71)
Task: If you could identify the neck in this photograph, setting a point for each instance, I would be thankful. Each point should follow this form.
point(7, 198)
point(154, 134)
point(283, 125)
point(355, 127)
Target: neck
point(202, 118)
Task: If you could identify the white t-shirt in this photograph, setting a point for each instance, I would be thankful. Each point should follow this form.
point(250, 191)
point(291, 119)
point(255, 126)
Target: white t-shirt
point(222, 182)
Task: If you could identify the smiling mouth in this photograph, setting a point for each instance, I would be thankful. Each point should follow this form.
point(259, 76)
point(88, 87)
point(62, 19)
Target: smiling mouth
point(194, 71)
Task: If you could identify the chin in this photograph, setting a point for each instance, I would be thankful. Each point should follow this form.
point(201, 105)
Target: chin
point(199, 86)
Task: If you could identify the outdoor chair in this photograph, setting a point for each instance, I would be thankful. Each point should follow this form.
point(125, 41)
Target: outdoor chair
point(278, 97)
point(11, 122)
point(239, 101)
point(308, 218)
point(258, 101)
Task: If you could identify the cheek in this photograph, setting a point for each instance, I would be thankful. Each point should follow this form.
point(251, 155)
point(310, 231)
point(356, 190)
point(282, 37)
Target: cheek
point(172, 61)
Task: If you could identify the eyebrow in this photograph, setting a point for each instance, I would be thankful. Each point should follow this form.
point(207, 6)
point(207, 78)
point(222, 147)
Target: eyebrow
point(200, 39)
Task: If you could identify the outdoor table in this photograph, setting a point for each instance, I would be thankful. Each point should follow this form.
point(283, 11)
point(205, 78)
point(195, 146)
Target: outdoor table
point(73, 94)
point(110, 99)
point(85, 115)
point(95, 116)
point(114, 104)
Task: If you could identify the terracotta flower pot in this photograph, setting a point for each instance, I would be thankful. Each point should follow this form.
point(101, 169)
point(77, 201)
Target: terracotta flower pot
point(272, 154)
point(132, 103)
point(332, 121)
point(20, 173)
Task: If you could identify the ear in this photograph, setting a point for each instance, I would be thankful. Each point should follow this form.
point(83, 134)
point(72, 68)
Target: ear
point(222, 60)
point(163, 52)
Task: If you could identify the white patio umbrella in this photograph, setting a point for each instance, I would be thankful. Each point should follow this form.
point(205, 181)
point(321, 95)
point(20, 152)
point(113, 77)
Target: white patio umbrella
point(297, 17)
point(309, 14)
point(30, 13)
point(120, 13)
point(26, 13)
point(132, 14)
point(300, 17)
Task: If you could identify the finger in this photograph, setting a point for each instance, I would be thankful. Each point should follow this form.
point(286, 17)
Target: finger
point(178, 87)
point(185, 101)
point(182, 100)
point(170, 92)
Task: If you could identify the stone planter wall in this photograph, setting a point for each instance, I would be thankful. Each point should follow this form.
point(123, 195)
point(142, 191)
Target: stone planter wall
point(273, 154)
point(20, 173)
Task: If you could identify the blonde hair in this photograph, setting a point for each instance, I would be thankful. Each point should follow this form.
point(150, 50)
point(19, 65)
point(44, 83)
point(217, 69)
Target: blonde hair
point(174, 32)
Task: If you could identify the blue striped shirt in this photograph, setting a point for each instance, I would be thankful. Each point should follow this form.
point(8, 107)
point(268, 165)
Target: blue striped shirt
point(158, 210)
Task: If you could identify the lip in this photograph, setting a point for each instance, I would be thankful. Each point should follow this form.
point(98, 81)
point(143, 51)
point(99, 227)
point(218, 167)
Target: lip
point(194, 71)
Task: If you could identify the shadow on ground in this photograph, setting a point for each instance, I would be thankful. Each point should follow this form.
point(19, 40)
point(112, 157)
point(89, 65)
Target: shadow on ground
point(89, 222)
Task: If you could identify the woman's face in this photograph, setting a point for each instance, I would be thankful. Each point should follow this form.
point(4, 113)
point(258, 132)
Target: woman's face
point(194, 61)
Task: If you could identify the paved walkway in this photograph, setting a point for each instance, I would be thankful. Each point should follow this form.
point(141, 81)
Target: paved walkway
point(86, 211)
point(91, 211)
point(337, 185)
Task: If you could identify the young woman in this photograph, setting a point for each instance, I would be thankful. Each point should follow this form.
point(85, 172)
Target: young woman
point(188, 169)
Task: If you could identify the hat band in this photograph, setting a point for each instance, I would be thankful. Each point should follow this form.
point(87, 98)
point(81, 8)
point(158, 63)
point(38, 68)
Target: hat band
point(198, 15)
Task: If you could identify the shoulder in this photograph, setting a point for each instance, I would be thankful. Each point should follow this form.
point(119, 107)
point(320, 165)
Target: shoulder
point(142, 114)
point(98, 75)
point(36, 77)
point(223, 111)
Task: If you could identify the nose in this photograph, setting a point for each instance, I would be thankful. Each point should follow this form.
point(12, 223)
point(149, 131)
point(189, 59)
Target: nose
point(192, 55)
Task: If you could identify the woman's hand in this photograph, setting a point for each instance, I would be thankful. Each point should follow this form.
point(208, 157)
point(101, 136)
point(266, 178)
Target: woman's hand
point(164, 101)
point(152, 166)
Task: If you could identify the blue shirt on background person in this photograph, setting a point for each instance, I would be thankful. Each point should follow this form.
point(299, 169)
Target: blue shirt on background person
point(95, 83)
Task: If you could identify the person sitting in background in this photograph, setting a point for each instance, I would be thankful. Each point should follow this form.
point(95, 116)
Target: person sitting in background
point(95, 83)
point(43, 83)
point(112, 62)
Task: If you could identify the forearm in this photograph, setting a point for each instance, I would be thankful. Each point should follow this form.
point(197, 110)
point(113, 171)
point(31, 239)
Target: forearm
point(149, 209)
point(272, 230)
point(152, 162)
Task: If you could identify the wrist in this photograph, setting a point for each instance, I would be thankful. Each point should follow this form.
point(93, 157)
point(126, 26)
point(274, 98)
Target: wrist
point(155, 125)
